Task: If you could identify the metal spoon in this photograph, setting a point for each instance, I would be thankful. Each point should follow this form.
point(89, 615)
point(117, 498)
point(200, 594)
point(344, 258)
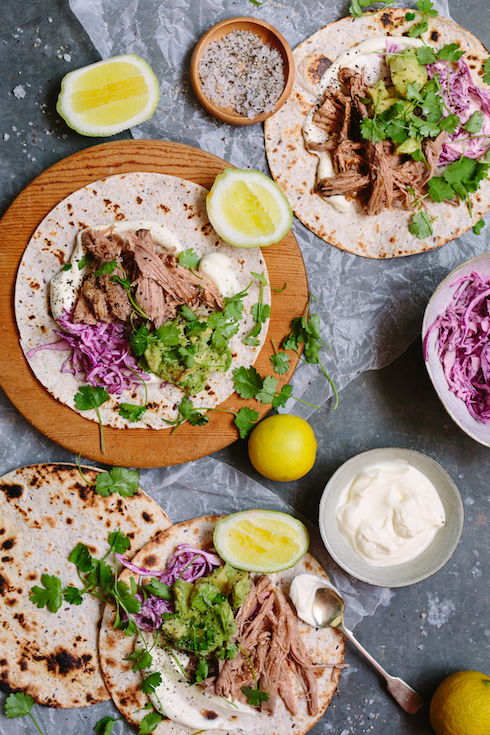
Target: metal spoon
point(328, 611)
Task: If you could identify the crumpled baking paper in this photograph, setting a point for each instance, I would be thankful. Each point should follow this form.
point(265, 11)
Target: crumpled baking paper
point(371, 311)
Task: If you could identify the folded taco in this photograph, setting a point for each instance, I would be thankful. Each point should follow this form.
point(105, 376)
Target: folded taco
point(216, 648)
point(381, 146)
point(126, 288)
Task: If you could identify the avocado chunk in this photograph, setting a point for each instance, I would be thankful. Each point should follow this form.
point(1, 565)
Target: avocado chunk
point(382, 98)
point(405, 69)
point(408, 146)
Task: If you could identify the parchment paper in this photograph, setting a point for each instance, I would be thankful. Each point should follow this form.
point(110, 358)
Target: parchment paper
point(371, 311)
point(206, 486)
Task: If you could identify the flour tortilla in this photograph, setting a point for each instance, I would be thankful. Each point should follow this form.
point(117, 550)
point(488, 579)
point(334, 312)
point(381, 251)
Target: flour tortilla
point(180, 206)
point(45, 511)
point(325, 645)
point(387, 234)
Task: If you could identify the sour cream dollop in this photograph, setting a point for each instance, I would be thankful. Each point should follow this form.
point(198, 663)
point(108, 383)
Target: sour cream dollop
point(390, 513)
point(370, 56)
point(217, 267)
point(302, 594)
point(189, 704)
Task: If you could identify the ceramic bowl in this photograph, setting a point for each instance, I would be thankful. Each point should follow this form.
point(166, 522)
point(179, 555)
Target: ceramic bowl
point(438, 303)
point(268, 34)
point(429, 561)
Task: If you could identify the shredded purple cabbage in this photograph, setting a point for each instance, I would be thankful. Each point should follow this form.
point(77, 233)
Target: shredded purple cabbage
point(464, 344)
point(463, 98)
point(188, 563)
point(392, 47)
point(100, 354)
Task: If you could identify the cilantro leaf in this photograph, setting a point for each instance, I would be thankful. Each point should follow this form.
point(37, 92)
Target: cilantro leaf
point(151, 682)
point(417, 30)
point(187, 313)
point(427, 8)
point(450, 52)
point(140, 340)
point(486, 68)
point(191, 414)
point(440, 189)
point(119, 541)
point(117, 480)
point(247, 382)
point(280, 362)
point(159, 589)
point(50, 597)
point(267, 392)
point(67, 267)
point(202, 670)
point(169, 334)
point(426, 55)
point(255, 696)
point(106, 268)
point(413, 92)
point(105, 725)
point(475, 123)
point(409, 16)
point(372, 130)
point(150, 722)
point(449, 123)
point(87, 258)
point(356, 6)
point(89, 397)
point(261, 312)
point(189, 259)
point(421, 225)
point(477, 228)
point(131, 411)
point(245, 420)
point(81, 557)
point(280, 398)
point(73, 596)
point(18, 705)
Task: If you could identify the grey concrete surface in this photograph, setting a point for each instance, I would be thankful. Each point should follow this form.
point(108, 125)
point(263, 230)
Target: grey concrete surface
point(425, 631)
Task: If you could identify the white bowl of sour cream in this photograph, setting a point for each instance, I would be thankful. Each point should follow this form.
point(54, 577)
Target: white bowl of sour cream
point(391, 516)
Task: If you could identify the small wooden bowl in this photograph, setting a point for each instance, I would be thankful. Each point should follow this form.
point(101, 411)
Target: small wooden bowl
point(268, 34)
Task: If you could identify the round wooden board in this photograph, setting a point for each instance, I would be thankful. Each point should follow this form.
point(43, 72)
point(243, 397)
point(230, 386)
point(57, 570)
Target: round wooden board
point(130, 447)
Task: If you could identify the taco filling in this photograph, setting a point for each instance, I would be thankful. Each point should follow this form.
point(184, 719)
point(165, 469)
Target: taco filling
point(392, 112)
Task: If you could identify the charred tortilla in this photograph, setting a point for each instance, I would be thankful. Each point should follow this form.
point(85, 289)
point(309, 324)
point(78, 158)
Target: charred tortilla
point(45, 510)
point(172, 202)
point(385, 235)
point(325, 645)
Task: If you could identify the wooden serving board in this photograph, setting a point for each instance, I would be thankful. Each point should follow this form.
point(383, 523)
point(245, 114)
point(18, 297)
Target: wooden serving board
point(130, 447)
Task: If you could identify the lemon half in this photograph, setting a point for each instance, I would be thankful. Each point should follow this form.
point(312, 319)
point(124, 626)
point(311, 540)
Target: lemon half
point(261, 540)
point(247, 209)
point(109, 96)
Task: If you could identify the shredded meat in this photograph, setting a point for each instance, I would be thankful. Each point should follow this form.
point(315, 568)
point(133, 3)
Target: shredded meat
point(372, 172)
point(161, 284)
point(268, 637)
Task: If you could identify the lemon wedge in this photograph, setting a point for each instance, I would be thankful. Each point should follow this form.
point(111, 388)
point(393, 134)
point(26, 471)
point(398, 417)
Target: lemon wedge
point(247, 209)
point(261, 540)
point(109, 96)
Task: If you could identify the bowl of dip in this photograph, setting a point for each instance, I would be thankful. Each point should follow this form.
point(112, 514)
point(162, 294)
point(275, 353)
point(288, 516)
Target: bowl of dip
point(391, 516)
point(242, 70)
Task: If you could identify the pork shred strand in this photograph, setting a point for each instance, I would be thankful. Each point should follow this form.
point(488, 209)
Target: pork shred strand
point(267, 632)
point(370, 171)
point(161, 283)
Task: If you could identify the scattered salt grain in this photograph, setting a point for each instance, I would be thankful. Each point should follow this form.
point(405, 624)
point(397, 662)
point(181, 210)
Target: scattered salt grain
point(19, 92)
point(67, 57)
point(6, 136)
point(242, 72)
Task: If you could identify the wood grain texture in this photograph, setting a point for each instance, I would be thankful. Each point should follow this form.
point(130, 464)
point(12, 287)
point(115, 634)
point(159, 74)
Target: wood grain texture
point(130, 447)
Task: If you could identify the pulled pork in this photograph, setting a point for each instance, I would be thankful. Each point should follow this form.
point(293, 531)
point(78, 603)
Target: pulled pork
point(160, 284)
point(369, 171)
point(267, 632)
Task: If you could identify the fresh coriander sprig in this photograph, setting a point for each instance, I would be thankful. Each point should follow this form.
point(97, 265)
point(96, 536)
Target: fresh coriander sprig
point(260, 312)
point(89, 397)
point(255, 696)
point(150, 722)
point(356, 6)
point(105, 725)
point(118, 480)
point(187, 412)
point(486, 69)
point(478, 226)
point(426, 7)
point(279, 360)
point(20, 705)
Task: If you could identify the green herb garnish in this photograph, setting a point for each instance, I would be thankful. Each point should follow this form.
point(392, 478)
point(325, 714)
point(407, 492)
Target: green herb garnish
point(245, 420)
point(279, 360)
point(189, 259)
point(486, 69)
point(477, 228)
point(421, 225)
point(356, 6)
point(108, 268)
point(67, 267)
point(105, 725)
point(131, 411)
point(20, 705)
point(87, 258)
point(149, 723)
point(89, 397)
point(260, 312)
point(426, 7)
point(51, 596)
point(151, 682)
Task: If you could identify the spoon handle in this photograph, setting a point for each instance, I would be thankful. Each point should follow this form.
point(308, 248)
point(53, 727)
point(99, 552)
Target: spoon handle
point(406, 697)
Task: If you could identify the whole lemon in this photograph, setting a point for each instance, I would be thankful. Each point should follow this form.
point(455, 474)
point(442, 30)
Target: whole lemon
point(282, 447)
point(461, 705)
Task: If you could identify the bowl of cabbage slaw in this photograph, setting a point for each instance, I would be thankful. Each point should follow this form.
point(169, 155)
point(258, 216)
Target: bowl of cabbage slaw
point(456, 344)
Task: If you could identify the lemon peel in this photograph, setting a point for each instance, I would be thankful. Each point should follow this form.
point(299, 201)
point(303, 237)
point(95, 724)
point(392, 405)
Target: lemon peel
point(264, 541)
point(104, 98)
point(247, 209)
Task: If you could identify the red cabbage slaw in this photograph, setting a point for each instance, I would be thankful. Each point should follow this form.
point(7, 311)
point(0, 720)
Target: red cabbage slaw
point(463, 98)
point(100, 354)
point(188, 563)
point(464, 344)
